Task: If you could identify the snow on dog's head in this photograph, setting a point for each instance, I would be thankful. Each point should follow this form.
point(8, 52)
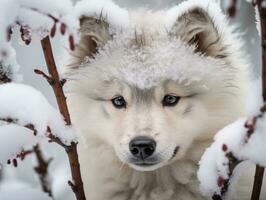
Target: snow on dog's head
point(154, 87)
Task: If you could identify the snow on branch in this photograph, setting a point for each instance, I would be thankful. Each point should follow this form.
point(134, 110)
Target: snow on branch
point(39, 18)
point(35, 116)
point(240, 141)
point(32, 115)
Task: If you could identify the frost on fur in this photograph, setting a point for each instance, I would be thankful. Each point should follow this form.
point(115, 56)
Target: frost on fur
point(195, 26)
point(191, 45)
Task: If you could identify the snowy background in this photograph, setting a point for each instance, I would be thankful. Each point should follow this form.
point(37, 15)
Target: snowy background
point(31, 57)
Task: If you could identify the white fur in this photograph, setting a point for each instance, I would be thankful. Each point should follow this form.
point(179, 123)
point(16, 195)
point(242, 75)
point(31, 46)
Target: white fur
point(154, 53)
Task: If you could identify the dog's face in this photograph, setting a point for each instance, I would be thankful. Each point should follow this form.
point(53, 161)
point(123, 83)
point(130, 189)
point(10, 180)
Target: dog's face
point(150, 96)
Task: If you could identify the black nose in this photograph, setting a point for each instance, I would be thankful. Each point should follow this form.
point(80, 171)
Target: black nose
point(142, 147)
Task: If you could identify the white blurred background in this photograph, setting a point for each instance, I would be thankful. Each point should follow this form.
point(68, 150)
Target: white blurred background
point(31, 57)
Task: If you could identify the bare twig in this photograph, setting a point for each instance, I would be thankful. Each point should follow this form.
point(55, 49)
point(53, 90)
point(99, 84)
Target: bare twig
point(257, 183)
point(4, 76)
point(42, 170)
point(232, 8)
point(71, 150)
point(15, 121)
point(57, 87)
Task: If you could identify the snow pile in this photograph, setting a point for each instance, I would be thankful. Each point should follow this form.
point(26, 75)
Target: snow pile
point(12, 189)
point(27, 106)
point(106, 9)
point(14, 139)
point(10, 67)
point(236, 141)
point(60, 187)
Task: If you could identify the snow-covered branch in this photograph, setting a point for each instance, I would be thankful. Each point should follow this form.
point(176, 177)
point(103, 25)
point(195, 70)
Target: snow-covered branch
point(41, 18)
point(32, 18)
point(240, 141)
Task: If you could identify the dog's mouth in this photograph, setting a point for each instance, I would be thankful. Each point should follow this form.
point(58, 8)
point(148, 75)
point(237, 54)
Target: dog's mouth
point(144, 163)
point(175, 152)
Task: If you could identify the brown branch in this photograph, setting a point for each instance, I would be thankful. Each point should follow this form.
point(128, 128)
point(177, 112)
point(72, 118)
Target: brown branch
point(250, 125)
point(71, 150)
point(42, 170)
point(54, 76)
point(258, 180)
point(4, 75)
point(232, 8)
point(225, 184)
point(15, 121)
point(4, 78)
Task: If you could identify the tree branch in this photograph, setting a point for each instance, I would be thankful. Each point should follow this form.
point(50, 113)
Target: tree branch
point(250, 124)
point(4, 76)
point(42, 170)
point(77, 184)
point(258, 180)
point(232, 8)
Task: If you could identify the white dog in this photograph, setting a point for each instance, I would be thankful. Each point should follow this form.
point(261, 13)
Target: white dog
point(150, 94)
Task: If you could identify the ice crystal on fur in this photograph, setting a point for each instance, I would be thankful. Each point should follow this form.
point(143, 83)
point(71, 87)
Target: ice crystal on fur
point(103, 9)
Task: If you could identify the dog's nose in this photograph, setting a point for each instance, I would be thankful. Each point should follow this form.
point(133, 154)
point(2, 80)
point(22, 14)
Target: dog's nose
point(142, 147)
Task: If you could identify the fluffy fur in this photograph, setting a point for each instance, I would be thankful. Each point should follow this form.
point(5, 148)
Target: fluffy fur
point(189, 51)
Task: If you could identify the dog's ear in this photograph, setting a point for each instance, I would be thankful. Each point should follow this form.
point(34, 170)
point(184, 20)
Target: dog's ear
point(94, 33)
point(197, 27)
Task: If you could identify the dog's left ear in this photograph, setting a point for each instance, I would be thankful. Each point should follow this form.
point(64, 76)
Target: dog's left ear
point(99, 21)
point(197, 27)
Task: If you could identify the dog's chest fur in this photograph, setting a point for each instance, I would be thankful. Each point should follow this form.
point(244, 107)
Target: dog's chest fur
point(115, 181)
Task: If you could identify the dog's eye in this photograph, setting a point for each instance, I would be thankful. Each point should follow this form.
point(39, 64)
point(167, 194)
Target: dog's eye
point(170, 100)
point(119, 102)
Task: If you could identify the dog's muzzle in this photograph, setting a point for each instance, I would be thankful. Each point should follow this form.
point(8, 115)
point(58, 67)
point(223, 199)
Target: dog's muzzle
point(142, 148)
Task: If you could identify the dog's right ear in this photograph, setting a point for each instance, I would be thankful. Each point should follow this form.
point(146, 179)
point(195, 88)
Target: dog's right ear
point(99, 22)
point(94, 34)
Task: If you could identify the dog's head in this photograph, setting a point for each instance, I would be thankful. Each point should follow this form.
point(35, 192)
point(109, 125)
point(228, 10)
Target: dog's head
point(152, 89)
